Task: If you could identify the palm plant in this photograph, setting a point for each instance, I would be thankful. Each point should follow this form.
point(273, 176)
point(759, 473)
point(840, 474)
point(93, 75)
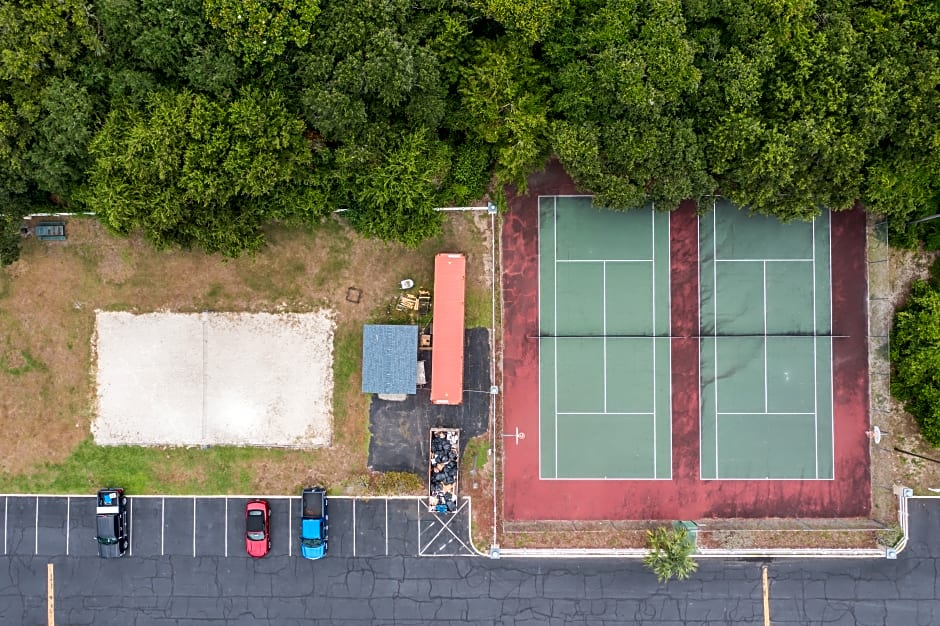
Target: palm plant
point(670, 553)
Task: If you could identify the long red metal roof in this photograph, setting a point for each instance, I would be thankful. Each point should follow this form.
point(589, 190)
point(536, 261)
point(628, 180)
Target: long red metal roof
point(450, 276)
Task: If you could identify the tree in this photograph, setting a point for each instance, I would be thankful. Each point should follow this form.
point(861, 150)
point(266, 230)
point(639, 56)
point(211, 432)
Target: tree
point(915, 358)
point(392, 195)
point(624, 76)
point(670, 553)
point(260, 30)
point(192, 171)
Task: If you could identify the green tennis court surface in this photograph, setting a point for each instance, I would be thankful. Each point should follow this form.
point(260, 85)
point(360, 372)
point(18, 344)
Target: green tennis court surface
point(766, 347)
point(604, 351)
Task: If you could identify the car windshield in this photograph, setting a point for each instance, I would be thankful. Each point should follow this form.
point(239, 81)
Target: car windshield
point(107, 541)
point(256, 525)
point(312, 543)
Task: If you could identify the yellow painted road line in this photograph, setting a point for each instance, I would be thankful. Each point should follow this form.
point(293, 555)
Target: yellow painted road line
point(50, 594)
point(766, 597)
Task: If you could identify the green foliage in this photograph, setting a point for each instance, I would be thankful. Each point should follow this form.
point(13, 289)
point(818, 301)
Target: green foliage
point(260, 30)
point(530, 19)
point(27, 363)
point(504, 93)
point(394, 193)
point(192, 171)
point(915, 358)
point(396, 484)
point(670, 553)
point(9, 238)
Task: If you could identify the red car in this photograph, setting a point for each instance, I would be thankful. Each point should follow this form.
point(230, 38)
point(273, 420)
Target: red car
point(257, 528)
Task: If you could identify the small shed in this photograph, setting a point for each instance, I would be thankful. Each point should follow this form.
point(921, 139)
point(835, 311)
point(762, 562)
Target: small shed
point(389, 359)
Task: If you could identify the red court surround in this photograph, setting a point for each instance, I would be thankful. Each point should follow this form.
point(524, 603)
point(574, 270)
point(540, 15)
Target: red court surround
point(527, 497)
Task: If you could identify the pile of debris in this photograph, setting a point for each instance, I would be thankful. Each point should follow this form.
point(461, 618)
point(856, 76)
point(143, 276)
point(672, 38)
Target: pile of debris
point(443, 471)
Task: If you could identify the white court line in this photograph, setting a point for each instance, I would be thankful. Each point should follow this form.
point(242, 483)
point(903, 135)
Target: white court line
point(715, 323)
point(605, 413)
point(764, 260)
point(815, 359)
point(766, 390)
point(538, 272)
point(36, 528)
point(669, 327)
point(555, 320)
point(163, 523)
point(698, 248)
point(764, 413)
point(605, 261)
point(354, 528)
point(604, 325)
point(290, 531)
point(226, 527)
point(832, 368)
point(194, 527)
point(386, 528)
point(68, 522)
point(653, 341)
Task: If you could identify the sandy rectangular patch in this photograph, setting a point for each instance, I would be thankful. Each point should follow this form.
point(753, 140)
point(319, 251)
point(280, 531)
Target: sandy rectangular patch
point(256, 379)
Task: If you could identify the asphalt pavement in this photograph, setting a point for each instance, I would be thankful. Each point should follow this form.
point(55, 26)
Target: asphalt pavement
point(405, 589)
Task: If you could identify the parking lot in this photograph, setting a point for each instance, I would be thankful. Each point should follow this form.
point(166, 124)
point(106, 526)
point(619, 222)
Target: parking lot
point(215, 526)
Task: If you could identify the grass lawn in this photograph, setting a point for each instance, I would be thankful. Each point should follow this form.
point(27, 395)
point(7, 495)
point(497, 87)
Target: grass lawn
point(47, 370)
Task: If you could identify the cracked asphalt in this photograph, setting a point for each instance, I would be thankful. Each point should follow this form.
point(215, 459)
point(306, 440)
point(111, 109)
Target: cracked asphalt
point(448, 590)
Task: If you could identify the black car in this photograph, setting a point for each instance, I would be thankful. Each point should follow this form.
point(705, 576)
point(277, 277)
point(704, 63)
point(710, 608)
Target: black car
point(111, 523)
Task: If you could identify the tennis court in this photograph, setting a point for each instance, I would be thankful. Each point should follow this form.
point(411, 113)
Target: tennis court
point(694, 364)
point(766, 347)
point(604, 347)
point(605, 344)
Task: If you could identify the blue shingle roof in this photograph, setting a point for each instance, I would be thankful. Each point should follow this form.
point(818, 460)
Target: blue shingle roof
point(389, 359)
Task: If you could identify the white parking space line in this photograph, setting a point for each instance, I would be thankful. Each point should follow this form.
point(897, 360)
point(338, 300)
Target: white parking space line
point(162, 522)
point(6, 507)
point(194, 528)
point(290, 523)
point(36, 528)
point(354, 528)
point(68, 522)
point(386, 527)
point(226, 527)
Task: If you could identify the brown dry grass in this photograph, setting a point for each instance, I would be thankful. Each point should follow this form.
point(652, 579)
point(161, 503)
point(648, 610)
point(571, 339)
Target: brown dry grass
point(892, 272)
point(48, 299)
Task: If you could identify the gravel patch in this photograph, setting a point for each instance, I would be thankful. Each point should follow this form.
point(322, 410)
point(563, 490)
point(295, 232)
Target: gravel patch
point(242, 379)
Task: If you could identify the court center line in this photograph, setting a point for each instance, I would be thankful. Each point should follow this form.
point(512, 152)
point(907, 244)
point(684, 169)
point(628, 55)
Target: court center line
point(764, 260)
point(766, 391)
point(764, 413)
point(715, 323)
point(605, 260)
point(604, 325)
point(653, 305)
point(68, 522)
point(605, 413)
point(36, 528)
point(815, 365)
point(555, 323)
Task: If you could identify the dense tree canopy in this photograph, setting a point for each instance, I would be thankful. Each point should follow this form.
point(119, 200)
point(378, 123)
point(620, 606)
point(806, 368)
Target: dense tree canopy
point(197, 120)
point(915, 356)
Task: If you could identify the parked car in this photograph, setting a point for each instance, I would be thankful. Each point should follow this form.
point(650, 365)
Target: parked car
point(111, 523)
point(257, 528)
point(314, 523)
